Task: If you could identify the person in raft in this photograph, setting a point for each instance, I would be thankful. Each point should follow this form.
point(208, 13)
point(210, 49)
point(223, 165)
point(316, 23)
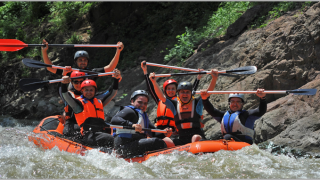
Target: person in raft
point(187, 111)
point(88, 111)
point(236, 123)
point(71, 128)
point(130, 143)
point(81, 59)
point(165, 117)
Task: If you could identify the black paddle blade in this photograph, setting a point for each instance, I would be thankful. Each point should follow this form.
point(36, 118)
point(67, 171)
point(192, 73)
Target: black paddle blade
point(34, 63)
point(308, 92)
point(31, 84)
point(243, 70)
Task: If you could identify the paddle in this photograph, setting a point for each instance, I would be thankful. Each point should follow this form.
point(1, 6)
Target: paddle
point(38, 64)
point(294, 92)
point(102, 124)
point(192, 73)
point(240, 70)
point(143, 129)
point(29, 84)
point(16, 45)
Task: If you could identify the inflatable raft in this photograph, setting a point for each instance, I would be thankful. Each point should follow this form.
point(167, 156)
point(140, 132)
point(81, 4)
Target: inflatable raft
point(49, 134)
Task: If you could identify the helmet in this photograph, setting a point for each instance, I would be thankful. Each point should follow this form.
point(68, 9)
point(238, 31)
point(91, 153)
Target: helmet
point(185, 85)
point(77, 74)
point(88, 82)
point(169, 81)
point(81, 53)
point(241, 96)
point(139, 92)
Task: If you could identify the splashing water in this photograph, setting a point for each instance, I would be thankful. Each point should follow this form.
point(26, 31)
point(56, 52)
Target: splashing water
point(21, 159)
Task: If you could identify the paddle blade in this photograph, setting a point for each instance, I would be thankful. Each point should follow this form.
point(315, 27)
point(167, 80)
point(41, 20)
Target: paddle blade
point(308, 92)
point(34, 64)
point(243, 70)
point(11, 45)
point(31, 84)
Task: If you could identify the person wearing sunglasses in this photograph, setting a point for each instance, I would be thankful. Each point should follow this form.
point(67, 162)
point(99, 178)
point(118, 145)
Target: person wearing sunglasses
point(71, 128)
point(236, 123)
point(89, 113)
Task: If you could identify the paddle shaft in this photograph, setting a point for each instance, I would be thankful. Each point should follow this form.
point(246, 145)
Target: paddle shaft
point(87, 76)
point(296, 92)
point(172, 67)
point(143, 129)
point(57, 45)
point(242, 92)
point(240, 70)
point(183, 74)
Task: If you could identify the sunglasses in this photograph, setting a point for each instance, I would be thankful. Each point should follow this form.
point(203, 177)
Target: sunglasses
point(77, 82)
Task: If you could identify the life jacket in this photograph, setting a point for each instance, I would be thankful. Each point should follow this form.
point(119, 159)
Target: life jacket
point(187, 118)
point(231, 124)
point(67, 109)
point(143, 121)
point(165, 116)
point(92, 112)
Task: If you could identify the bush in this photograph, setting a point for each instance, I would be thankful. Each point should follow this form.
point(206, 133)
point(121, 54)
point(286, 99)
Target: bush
point(227, 13)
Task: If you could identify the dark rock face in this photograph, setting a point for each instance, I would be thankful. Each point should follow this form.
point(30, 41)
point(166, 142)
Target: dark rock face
point(286, 53)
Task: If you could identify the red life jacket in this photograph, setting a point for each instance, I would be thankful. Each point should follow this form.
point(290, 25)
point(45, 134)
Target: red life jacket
point(90, 111)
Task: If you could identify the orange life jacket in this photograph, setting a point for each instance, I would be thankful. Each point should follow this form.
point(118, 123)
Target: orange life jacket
point(165, 116)
point(187, 119)
point(90, 111)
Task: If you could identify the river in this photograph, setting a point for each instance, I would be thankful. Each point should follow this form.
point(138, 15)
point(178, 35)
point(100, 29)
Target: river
point(21, 159)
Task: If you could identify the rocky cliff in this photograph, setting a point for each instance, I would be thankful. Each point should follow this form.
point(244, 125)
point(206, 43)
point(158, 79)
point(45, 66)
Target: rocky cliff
point(285, 53)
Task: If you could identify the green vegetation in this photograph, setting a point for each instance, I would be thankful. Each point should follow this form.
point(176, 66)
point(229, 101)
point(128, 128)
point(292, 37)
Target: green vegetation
point(21, 19)
point(186, 24)
point(75, 39)
point(227, 13)
point(278, 10)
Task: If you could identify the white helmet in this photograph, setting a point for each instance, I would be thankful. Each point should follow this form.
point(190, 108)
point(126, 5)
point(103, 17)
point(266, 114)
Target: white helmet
point(241, 96)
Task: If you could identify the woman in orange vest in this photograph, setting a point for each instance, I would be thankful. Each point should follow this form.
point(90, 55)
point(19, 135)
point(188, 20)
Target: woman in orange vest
point(165, 117)
point(70, 126)
point(88, 111)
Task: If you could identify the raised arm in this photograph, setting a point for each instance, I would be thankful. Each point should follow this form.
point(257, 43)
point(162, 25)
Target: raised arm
point(115, 60)
point(117, 76)
point(197, 80)
point(214, 74)
point(46, 58)
point(149, 83)
point(72, 102)
point(157, 89)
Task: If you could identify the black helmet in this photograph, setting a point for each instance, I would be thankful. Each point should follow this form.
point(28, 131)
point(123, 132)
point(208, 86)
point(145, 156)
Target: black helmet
point(81, 53)
point(185, 85)
point(139, 92)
